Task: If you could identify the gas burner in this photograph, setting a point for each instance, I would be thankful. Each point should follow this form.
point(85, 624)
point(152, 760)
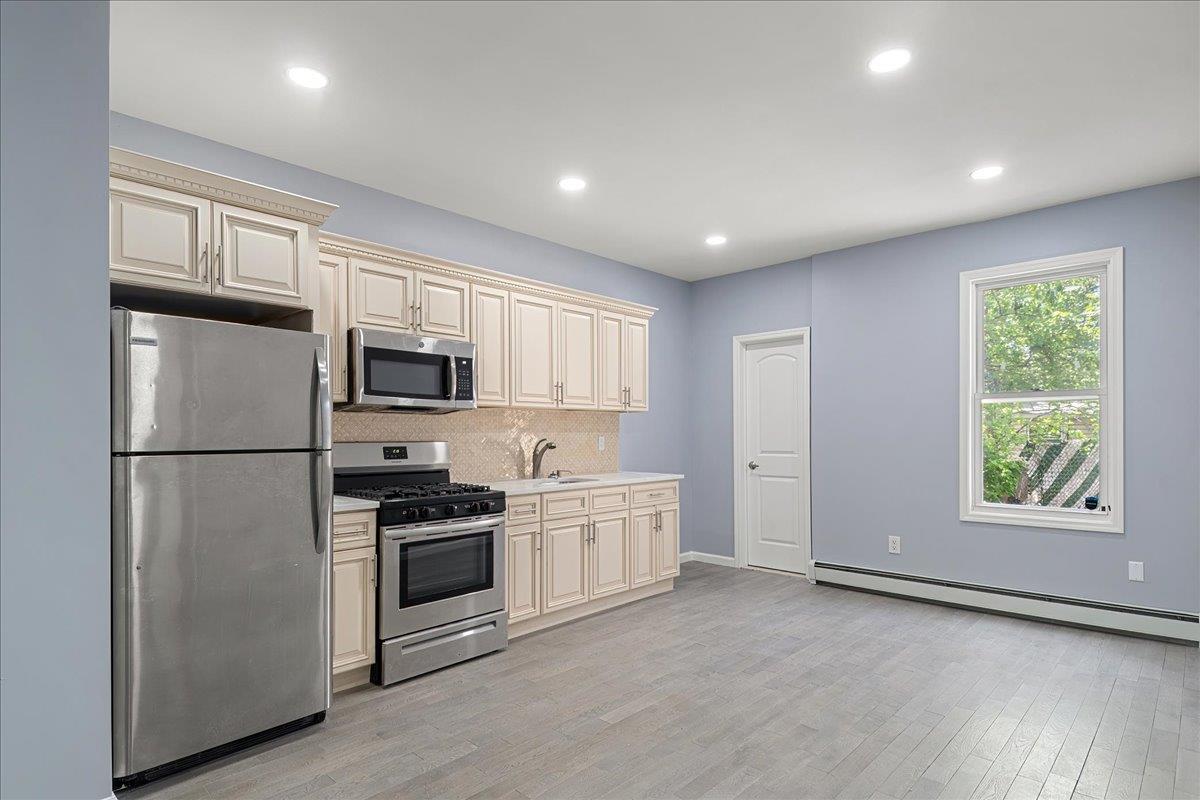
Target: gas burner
point(384, 493)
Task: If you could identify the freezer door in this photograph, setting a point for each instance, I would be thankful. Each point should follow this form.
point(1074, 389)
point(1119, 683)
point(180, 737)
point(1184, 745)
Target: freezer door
point(182, 384)
point(221, 597)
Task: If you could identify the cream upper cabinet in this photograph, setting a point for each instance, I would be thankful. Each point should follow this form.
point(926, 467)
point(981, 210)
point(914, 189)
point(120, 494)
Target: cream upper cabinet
point(524, 565)
point(643, 525)
point(576, 356)
point(609, 555)
point(611, 358)
point(490, 332)
point(667, 556)
point(534, 350)
point(157, 237)
point(259, 256)
point(352, 608)
point(637, 364)
point(443, 306)
point(565, 563)
point(330, 318)
point(381, 295)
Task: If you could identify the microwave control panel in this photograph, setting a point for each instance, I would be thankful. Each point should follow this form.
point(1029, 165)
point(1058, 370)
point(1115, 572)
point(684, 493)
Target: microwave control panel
point(465, 378)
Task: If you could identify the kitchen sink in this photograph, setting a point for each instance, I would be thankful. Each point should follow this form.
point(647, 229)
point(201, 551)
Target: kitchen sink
point(561, 481)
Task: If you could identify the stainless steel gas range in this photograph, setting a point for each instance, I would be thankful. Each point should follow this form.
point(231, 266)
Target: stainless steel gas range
point(441, 556)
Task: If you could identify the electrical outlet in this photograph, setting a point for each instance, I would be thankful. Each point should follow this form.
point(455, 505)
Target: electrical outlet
point(1137, 571)
point(894, 545)
point(600, 444)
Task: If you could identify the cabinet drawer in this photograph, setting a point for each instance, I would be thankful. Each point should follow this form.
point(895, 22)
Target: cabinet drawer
point(557, 505)
point(353, 529)
point(524, 508)
point(654, 493)
point(610, 498)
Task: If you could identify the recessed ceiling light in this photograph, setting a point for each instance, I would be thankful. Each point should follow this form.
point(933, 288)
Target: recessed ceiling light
point(890, 60)
point(307, 77)
point(572, 183)
point(715, 240)
point(984, 173)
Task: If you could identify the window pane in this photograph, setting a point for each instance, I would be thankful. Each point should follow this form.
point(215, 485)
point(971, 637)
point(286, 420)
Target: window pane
point(1042, 453)
point(1040, 337)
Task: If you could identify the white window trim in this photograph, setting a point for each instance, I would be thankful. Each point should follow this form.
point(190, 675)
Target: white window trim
point(1109, 265)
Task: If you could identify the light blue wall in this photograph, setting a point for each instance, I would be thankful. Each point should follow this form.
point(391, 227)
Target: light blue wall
point(885, 403)
point(654, 441)
point(767, 299)
point(54, 463)
point(885, 400)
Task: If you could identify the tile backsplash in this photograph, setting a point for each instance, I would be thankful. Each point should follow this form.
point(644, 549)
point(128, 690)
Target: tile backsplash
point(490, 444)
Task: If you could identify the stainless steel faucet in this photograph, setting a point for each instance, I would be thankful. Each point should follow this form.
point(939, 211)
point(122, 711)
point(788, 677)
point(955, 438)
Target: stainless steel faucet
point(539, 451)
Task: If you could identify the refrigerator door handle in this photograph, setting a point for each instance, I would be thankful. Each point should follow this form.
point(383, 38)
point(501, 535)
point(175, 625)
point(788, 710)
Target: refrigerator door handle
point(323, 499)
point(324, 403)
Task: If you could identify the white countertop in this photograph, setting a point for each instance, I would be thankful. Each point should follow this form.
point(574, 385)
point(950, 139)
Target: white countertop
point(543, 485)
point(341, 503)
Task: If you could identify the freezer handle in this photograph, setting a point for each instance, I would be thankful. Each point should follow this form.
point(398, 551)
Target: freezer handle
point(324, 403)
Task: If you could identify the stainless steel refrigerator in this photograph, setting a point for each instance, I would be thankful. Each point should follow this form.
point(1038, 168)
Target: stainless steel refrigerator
point(222, 487)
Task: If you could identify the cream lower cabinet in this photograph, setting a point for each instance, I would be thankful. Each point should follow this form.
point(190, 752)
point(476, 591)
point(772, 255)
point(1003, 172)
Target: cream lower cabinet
point(565, 563)
point(609, 555)
point(568, 549)
point(524, 565)
point(352, 596)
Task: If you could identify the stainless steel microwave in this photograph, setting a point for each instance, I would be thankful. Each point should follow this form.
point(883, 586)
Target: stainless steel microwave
point(403, 372)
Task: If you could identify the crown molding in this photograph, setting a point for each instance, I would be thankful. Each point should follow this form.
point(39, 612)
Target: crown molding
point(350, 247)
point(221, 188)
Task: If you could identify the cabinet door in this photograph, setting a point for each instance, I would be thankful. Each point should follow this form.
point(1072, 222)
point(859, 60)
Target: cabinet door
point(489, 331)
point(443, 306)
point(534, 351)
point(637, 364)
point(524, 565)
point(381, 296)
point(576, 356)
point(564, 563)
point(610, 555)
point(612, 359)
point(642, 538)
point(330, 318)
point(667, 562)
point(157, 237)
point(352, 611)
point(259, 256)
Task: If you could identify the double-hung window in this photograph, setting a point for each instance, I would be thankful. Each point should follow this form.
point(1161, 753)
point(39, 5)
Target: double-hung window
point(1041, 393)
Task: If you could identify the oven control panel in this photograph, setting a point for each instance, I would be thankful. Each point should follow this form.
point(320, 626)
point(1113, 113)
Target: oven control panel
point(464, 376)
point(442, 509)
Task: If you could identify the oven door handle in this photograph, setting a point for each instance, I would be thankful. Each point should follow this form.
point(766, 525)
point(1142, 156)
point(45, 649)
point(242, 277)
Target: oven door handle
point(442, 531)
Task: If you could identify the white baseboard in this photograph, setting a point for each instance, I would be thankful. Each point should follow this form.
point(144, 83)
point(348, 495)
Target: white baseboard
point(707, 558)
point(1145, 622)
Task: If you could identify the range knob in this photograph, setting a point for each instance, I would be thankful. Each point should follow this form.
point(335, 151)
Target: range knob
point(423, 512)
point(473, 508)
point(410, 513)
point(449, 509)
point(486, 505)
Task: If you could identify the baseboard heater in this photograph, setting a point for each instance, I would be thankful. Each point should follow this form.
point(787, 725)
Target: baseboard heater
point(1170, 625)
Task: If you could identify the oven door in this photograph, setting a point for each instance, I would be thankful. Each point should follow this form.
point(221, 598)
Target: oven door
point(440, 573)
point(402, 372)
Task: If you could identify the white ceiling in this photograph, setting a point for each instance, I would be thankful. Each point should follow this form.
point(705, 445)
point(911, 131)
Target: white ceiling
point(759, 121)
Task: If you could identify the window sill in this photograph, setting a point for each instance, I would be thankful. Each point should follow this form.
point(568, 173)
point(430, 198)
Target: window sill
point(1030, 518)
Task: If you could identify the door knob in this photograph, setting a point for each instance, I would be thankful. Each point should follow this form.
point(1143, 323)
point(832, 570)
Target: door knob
point(752, 465)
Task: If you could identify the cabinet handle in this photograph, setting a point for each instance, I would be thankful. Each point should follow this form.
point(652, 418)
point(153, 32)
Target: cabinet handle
point(219, 264)
point(412, 316)
point(418, 321)
point(204, 264)
point(538, 539)
point(372, 571)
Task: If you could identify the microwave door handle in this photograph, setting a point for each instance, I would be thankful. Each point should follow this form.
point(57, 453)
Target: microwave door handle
point(453, 379)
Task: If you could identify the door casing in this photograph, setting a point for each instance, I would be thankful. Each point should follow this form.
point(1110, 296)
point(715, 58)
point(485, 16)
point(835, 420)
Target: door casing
point(741, 528)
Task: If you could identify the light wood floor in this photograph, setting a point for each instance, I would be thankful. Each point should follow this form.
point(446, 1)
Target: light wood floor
point(747, 684)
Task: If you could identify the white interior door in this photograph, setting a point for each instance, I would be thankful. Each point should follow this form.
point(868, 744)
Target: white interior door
point(774, 469)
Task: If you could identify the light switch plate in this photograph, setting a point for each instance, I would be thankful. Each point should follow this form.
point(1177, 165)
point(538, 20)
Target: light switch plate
point(600, 444)
point(1137, 571)
point(894, 545)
